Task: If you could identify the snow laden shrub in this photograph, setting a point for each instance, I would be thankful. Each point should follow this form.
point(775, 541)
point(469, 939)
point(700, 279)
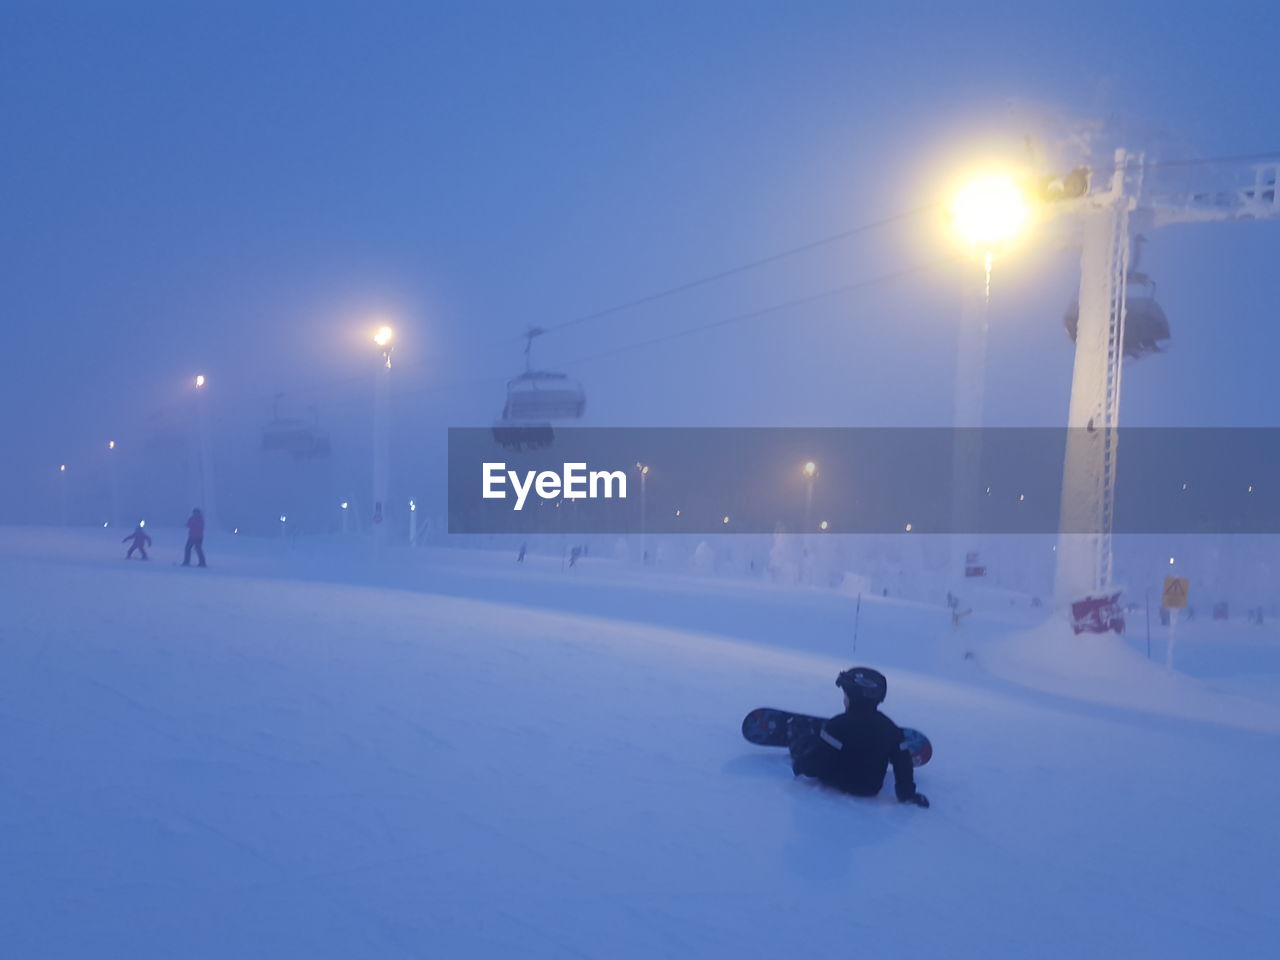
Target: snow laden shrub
point(785, 556)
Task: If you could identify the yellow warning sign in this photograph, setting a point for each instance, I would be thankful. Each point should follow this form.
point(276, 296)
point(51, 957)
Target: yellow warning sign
point(1175, 593)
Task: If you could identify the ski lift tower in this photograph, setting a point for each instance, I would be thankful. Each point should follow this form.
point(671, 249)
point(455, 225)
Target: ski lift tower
point(1229, 191)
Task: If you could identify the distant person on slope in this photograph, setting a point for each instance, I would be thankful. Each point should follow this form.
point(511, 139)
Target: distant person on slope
point(140, 540)
point(854, 749)
point(195, 537)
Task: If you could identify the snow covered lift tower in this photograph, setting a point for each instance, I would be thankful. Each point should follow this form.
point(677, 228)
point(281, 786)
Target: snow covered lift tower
point(1223, 190)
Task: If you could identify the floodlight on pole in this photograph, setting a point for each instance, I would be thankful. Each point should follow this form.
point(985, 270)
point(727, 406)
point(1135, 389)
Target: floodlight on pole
point(810, 471)
point(644, 507)
point(208, 500)
point(990, 211)
point(383, 338)
point(113, 480)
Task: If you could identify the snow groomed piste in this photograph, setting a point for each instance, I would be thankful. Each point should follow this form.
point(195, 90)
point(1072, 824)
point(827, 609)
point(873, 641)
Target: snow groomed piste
point(304, 752)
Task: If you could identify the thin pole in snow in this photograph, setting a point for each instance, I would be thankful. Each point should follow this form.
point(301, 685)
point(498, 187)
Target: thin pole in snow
point(857, 617)
point(1148, 598)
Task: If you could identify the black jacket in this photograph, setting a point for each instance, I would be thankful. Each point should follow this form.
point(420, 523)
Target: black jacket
point(853, 752)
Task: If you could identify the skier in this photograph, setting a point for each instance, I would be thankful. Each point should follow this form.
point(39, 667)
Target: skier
point(854, 749)
point(140, 540)
point(195, 537)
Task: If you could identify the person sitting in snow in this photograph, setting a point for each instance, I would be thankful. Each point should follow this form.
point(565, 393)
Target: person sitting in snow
point(854, 749)
point(140, 540)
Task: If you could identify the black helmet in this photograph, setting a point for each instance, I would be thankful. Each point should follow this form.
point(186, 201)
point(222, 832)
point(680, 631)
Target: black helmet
point(863, 684)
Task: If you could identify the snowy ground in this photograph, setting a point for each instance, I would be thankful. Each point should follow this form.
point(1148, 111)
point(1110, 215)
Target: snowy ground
point(310, 752)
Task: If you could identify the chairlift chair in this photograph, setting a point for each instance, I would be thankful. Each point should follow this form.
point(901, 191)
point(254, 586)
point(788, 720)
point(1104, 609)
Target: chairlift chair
point(1145, 325)
point(293, 435)
point(534, 399)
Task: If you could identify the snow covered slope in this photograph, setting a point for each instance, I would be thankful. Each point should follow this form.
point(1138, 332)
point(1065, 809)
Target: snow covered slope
point(306, 751)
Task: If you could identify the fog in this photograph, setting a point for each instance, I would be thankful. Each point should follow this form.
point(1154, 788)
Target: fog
point(244, 192)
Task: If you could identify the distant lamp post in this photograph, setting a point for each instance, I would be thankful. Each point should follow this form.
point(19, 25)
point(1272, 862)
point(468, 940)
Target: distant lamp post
point(644, 499)
point(810, 471)
point(384, 339)
point(208, 503)
point(413, 523)
point(64, 493)
point(113, 478)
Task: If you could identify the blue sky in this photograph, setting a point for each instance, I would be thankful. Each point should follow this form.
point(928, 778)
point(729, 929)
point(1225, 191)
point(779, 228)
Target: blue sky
point(240, 189)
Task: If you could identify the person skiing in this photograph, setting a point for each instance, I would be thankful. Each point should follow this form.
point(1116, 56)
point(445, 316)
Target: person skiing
point(854, 749)
point(195, 537)
point(140, 540)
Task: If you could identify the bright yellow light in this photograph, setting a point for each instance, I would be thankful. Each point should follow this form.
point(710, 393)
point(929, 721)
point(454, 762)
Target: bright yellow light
point(62, 468)
point(989, 211)
point(810, 469)
point(111, 444)
point(382, 336)
point(200, 380)
point(908, 528)
point(823, 525)
point(725, 520)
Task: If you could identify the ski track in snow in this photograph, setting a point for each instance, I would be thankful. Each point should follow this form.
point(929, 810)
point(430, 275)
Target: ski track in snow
point(310, 753)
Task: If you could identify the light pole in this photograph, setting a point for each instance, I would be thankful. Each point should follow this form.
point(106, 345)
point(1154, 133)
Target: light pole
point(62, 472)
point(988, 213)
point(382, 337)
point(113, 479)
point(413, 523)
point(810, 471)
point(207, 502)
point(644, 537)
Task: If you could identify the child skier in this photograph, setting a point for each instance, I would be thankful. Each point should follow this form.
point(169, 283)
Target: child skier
point(854, 749)
point(140, 540)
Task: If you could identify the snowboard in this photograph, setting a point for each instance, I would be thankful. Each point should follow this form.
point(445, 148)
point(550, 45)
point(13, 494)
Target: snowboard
point(769, 727)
